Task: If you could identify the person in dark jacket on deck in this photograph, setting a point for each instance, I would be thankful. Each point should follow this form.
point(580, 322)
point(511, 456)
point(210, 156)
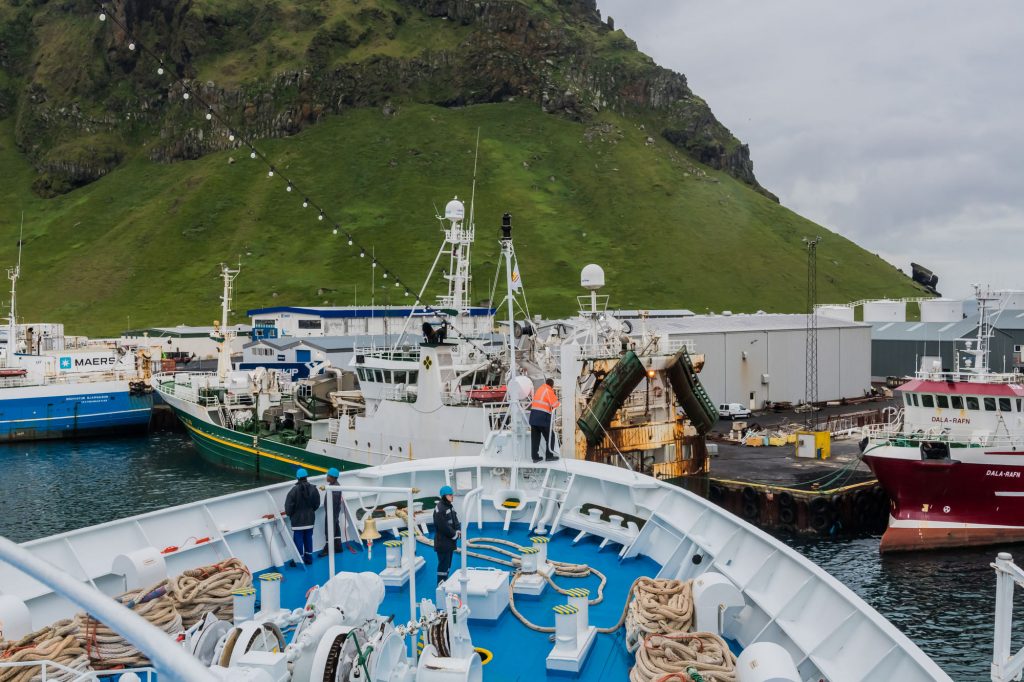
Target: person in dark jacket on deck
point(333, 525)
point(301, 504)
point(447, 530)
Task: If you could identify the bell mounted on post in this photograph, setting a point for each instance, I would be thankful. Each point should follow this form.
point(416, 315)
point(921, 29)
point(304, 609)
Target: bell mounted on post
point(370, 533)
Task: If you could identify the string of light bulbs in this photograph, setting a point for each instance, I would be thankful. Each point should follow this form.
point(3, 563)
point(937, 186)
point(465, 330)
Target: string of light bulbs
point(239, 139)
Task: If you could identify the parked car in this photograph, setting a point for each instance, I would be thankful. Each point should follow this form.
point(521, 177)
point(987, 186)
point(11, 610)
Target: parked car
point(733, 411)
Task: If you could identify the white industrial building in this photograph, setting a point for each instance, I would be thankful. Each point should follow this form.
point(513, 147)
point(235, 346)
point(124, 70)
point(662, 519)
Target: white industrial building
point(186, 340)
point(753, 359)
point(293, 321)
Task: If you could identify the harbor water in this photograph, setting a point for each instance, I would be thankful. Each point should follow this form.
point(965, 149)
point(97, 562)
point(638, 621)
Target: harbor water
point(943, 601)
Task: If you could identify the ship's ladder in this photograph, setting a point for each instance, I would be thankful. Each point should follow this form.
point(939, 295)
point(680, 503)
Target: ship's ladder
point(551, 494)
point(225, 416)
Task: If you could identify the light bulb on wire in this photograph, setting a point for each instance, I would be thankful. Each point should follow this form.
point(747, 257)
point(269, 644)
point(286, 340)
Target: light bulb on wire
point(321, 216)
point(103, 16)
point(270, 173)
point(209, 114)
point(288, 188)
point(305, 203)
point(185, 95)
point(131, 46)
point(160, 70)
point(231, 137)
point(362, 253)
point(252, 154)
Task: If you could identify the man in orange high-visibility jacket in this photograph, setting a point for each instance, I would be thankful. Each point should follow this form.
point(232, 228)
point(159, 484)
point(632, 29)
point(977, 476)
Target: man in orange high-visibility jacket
point(544, 403)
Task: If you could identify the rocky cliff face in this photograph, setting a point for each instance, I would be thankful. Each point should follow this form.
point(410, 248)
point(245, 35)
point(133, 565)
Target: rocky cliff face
point(82, 96)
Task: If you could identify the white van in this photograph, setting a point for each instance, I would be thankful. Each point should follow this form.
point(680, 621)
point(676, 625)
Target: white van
point(733, 411)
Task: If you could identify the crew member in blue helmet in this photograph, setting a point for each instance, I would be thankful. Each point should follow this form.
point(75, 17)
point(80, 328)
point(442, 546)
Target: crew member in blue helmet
point(333, 524)
point(447, 530)
point(301, 504)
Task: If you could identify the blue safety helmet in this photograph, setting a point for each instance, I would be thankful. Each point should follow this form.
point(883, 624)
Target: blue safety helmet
point(333, 472)
point(447, 490)
point(301, 473)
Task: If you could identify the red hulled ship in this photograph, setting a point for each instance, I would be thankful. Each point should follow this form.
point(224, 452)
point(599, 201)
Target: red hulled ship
point(952, 461)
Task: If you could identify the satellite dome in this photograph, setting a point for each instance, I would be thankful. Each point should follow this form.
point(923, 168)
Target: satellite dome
point(592, 277)
point(520, 388)
point(455, 210)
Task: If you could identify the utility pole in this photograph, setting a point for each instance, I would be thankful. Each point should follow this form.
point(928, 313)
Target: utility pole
point(811, 379)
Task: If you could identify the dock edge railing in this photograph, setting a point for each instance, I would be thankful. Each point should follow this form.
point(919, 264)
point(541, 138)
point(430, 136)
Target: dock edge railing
point(1004, 666)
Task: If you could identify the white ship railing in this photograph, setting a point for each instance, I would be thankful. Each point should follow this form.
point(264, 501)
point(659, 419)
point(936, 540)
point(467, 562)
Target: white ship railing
point(51, 670)
point(63, 379)
point(672, 346)
point(168, 384)
point(400, 394)
point(973, 377)
point(168, 656)
point(1004, 666)
point(889, 432)
point(389, 355)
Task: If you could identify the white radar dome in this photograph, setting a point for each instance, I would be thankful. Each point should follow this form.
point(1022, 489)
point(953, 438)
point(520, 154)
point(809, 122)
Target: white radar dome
point(455, 211)
point(520, 388)
point(592, 277)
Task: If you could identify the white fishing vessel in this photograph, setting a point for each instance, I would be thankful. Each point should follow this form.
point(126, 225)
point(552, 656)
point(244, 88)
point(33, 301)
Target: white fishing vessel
point(623, 399)
point(50, 388)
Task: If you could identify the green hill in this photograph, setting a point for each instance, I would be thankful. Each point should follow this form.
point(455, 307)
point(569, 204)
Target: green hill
point(131, 199)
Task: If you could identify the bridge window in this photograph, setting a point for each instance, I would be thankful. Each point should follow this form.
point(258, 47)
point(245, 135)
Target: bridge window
point(990, 404)
point(906, 399)
point(1018, 404)
point(972, 403)
point(956, 402)
point(927, 400)
point(942, 401)
point(413, 377)
point(914, 398)
point(1004, 405)
point(378, 376)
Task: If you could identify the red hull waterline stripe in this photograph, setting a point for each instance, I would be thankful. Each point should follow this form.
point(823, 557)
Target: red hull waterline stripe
point(911, 539)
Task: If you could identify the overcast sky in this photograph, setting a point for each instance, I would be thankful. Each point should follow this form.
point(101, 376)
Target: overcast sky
point(897, 124)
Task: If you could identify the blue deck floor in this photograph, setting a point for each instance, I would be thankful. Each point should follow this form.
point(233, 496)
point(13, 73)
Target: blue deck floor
point(519, 653)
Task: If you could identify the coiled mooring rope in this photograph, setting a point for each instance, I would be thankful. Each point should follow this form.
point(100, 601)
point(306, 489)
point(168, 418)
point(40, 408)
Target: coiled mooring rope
point(172, 605)
point(657, 606)
point(58, 642)
point(685, 656)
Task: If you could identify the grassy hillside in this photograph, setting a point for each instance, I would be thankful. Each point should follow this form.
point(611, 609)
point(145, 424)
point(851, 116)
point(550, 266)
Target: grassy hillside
point(143, 242)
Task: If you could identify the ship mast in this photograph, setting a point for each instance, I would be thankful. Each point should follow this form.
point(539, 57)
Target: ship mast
point(517, 418)
point(12, 319)
point(980, 355)
point(224, 357)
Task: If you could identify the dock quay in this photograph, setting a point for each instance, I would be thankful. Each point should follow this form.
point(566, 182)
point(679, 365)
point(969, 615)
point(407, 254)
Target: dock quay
point(769, 486)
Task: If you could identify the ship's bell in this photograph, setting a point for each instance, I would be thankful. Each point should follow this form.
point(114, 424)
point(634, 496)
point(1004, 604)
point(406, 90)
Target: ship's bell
point(370, 531)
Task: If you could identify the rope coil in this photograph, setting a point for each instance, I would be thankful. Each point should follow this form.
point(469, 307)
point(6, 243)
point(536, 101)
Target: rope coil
point(84, 644)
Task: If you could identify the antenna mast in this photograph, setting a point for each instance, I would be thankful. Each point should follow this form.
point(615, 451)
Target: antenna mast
point(811, 377)
point(228, 276)
point(12, 319)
